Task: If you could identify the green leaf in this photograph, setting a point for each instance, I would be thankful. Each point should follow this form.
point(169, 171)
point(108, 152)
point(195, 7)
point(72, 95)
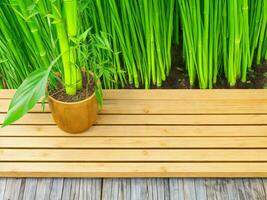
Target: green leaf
point(27, 95)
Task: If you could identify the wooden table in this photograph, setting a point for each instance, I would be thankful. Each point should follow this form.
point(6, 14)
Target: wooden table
point(145, 133)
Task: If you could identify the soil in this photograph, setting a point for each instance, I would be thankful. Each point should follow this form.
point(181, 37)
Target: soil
point(178, 77)
point(86, 91)
point(256, 79)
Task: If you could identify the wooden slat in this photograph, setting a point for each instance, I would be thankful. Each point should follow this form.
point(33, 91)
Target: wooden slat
point(163, 94)
point(134, 142)
point(4, 105)
point(137, 131)
point(111, 155)
point(6, 94)
point(159, 133)
point(243, 106)
point(46, 119)
point(26, 169)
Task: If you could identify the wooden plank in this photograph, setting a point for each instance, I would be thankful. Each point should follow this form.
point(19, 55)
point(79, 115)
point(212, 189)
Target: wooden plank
point(244, 169)
point(254, 189)
point(176, 188)
point(134, 142)
point(114, 189)
point(46, 119)
point(264, 182)
point(111, 155)
point(2, 187)
point(4, 105)
point(164, 94)
point(12, 190)
point(157, 189)
point(189, 189)
point(182, 119)
point(137, 131)
point(238, 186)
point(56, 189)
point(6, 94)
point(138, 189)
point(232, 190)
point(70, 189)
point(90, 189)
point(43, 189)
point(185, 94)
point(200, 188)
point(244, 106)
point(22, 188)
point(30, 189)
point(217, 189)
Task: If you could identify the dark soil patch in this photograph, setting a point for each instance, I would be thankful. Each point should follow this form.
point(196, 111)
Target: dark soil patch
point(86, 91)
point(178, 77)
point(256, 79)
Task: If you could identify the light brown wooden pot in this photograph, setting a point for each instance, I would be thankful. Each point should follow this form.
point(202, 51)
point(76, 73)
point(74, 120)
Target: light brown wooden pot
point(74, 117)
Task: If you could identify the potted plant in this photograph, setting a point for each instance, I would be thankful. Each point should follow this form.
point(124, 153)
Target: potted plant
point(71, 89)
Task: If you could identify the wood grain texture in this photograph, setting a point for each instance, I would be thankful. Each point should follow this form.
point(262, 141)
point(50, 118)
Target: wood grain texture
point(133, 142)
point(43, 189)
point(46, 119)
point(12, 190)
point(151, 169)
point(137, 131)
point(181, 106)
point(114, 189)
point(30, 189)
point(164, 94)
point(140, 133)
point(254, 189)
point(217, 189)
point(2, 187)
point(148, 155)
point(90, 189)
point(136, 189)
point(189, 192)
point(56, 189)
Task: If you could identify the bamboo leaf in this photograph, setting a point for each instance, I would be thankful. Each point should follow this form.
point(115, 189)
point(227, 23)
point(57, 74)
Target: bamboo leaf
point(27, 95)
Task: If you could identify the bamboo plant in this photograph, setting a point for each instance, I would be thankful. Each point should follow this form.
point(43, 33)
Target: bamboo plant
point(142, 33)
point(64, 50)
point(134, 39)
point(225, 46)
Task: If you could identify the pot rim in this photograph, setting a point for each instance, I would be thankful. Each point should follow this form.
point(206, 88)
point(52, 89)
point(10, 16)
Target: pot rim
point(72, 103)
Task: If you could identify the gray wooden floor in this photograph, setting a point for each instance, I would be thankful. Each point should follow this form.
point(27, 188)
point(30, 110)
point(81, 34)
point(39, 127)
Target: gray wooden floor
point(133, 189)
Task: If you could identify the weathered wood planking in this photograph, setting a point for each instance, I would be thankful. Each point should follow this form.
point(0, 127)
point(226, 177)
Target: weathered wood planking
point(159, 133)
point(136, 189)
